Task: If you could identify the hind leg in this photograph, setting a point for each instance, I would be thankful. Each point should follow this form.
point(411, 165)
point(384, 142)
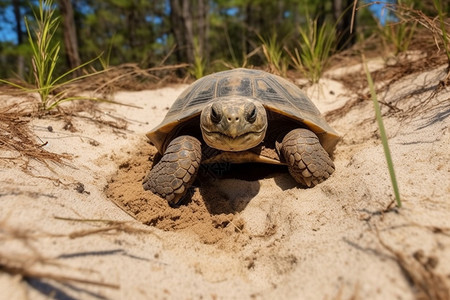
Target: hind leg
point(174, 174)
point(307, 160)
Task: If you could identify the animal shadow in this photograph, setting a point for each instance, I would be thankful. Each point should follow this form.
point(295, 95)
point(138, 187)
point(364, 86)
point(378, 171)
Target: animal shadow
point(228, 188)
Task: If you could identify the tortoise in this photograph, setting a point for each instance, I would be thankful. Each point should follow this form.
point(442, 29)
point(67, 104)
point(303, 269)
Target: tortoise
point(243, 115)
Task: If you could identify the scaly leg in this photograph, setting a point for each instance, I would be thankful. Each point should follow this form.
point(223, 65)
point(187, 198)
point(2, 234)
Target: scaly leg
point(174, 174)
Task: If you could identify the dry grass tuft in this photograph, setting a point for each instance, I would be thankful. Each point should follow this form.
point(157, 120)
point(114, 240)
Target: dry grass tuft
point(17, 140)
point(19, 108)
point(435, 26)
point(133, 78)
point(27, 265)
point(14, 266)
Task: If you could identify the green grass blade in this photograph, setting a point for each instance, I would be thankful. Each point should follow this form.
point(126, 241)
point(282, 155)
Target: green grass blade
point(383, 135)
point(55, 85)
point(444, 36)
point(25, 89)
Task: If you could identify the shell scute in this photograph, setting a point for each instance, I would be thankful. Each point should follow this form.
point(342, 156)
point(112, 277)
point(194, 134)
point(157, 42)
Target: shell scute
point(231, 85)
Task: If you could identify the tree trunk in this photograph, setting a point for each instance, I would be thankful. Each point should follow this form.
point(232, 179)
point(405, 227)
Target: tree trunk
point(18, 19)
point(252, 24)
point(248, 28)
point(19, 34)
point(182, 30)
point(70, 36)
point(132, 24)
point(342, 11)
point(203, 27)
point(190, 28)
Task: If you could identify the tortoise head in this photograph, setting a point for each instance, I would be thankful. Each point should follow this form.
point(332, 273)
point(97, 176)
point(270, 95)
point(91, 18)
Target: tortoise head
point(233, 123)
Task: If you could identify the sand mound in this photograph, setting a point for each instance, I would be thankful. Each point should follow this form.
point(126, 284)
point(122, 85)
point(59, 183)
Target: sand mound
point(199, 216)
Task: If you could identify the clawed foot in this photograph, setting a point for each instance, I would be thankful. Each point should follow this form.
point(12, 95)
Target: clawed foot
point(307, 160)
point(172, 176)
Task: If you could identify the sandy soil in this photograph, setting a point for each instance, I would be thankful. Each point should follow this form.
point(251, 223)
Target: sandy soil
point(253, 235)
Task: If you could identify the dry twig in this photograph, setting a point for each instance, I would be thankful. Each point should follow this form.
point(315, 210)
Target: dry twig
point(419, 270)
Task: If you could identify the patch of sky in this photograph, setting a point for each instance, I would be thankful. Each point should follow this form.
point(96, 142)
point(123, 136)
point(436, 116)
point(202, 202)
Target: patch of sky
point(380, 12)
point(7, 26)
point(162, 39)
point(84, 9)
point(154, 19)
point(232, 11)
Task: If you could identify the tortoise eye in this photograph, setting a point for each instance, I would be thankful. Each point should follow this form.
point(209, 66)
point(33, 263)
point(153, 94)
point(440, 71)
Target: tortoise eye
point(251, 113)
point(216, 113)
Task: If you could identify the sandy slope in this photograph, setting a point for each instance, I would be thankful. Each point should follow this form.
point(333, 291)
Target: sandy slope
point(236, 239)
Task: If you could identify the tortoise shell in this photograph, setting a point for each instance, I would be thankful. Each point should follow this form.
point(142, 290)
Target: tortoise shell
point(277, 95)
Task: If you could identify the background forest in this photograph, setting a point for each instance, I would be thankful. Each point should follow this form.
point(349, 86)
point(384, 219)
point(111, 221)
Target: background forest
point(207, 35)
point(72, 199)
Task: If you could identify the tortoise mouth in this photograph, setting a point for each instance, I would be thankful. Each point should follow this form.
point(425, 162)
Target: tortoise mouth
point(225, 142)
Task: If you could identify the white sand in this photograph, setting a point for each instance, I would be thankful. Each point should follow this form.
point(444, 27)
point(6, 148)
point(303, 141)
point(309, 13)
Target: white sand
point(261, 239)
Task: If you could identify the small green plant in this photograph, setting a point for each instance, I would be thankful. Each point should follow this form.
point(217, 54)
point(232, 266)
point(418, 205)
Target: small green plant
point(399, 34)
point(383, 135)
point(399, 30)
point(444, 35)
point(273, 52)
point(105, 61)
point(401, 37)
point(316, 45)
point(236, 61)
point(197, 69)
point(45, 57)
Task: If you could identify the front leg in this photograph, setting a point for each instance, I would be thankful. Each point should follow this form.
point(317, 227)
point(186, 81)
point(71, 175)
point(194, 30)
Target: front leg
point(307, 160)
point(174, 174)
